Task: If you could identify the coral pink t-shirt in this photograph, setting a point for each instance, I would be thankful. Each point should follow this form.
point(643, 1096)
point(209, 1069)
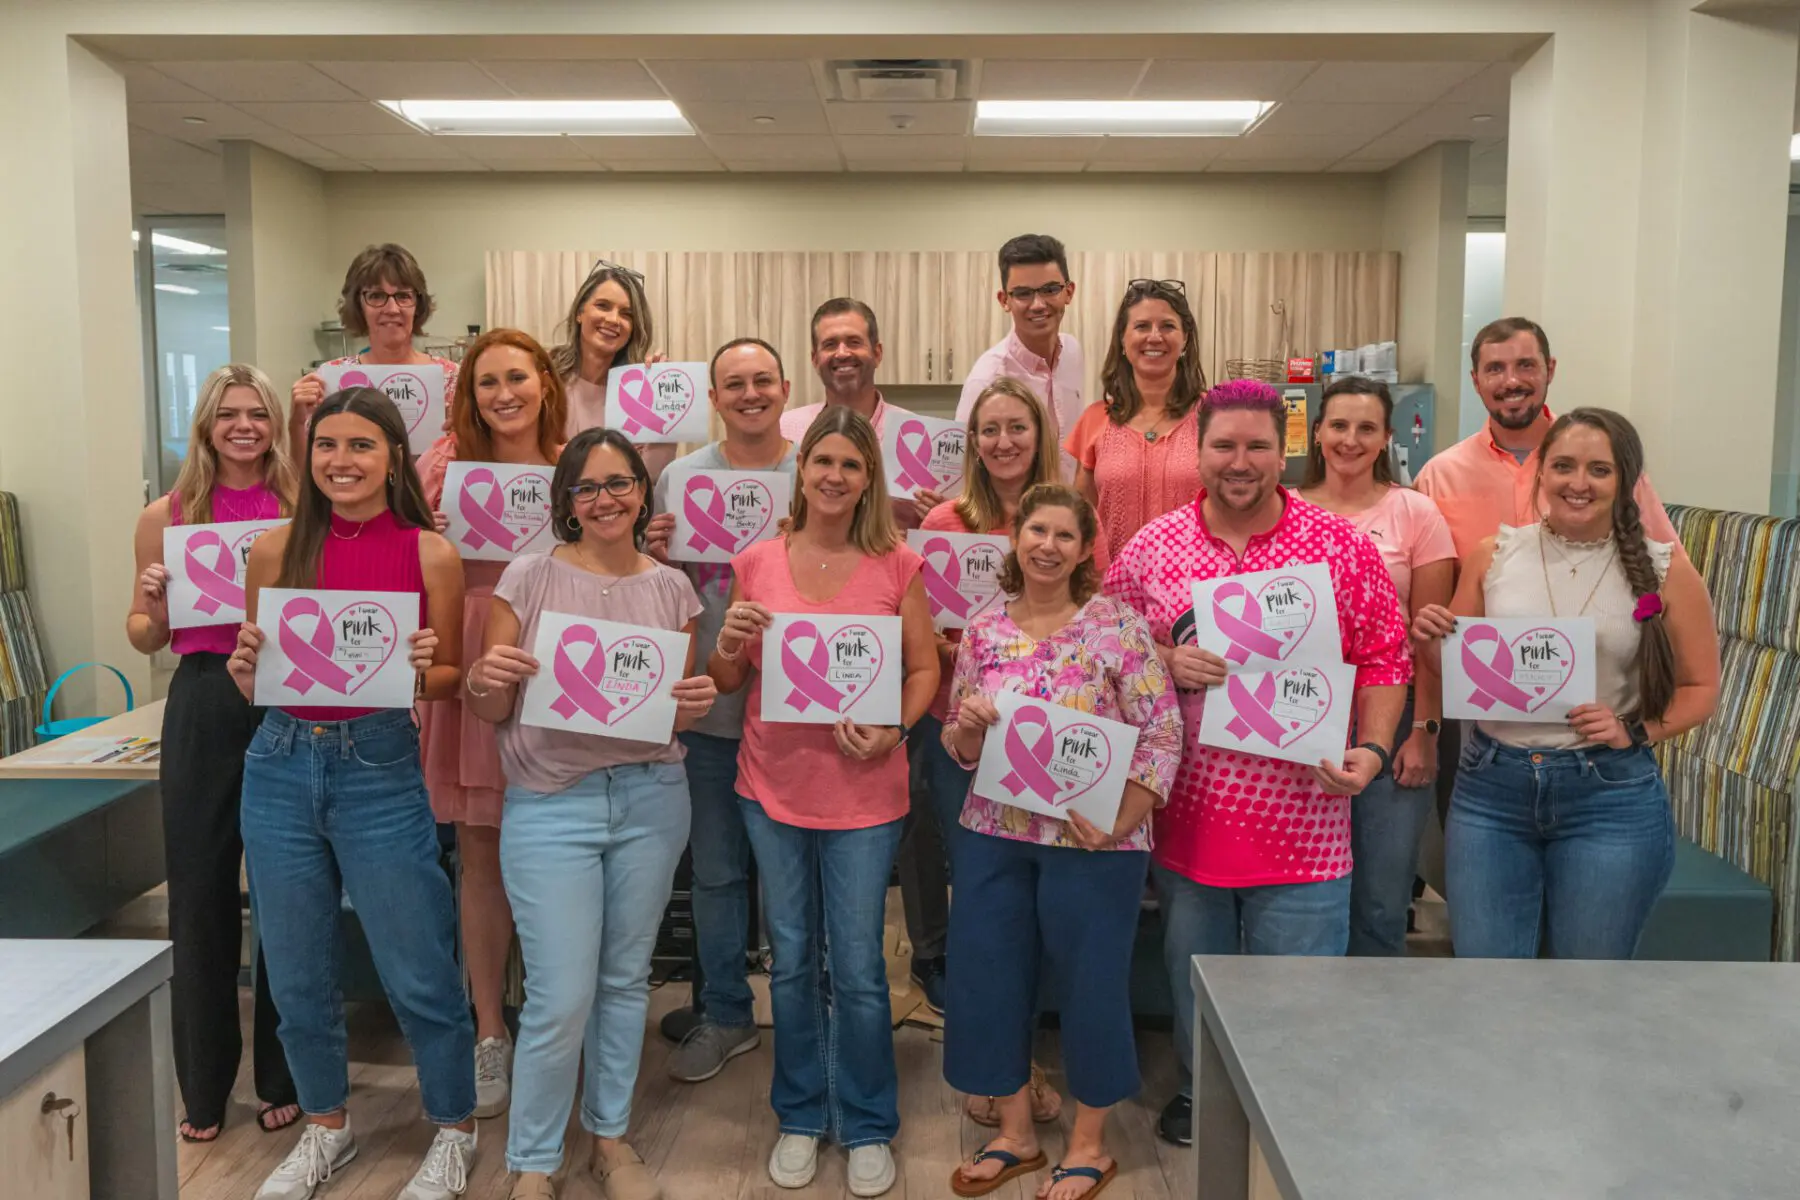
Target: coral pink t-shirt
point(796, 772)
point(1410, 532)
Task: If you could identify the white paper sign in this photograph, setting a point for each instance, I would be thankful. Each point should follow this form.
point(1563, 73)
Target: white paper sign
point(659, 402)
point(922, 453)
point(1047, 758)
point(497, 511)
point(818, 668)
point(1296, 714)
point(604, 678)
point(962, 573)
point(718, 514)
point(1265, 619)
point(1518, 668)
point(417, 390)
point(336, 649)
point(206, 570)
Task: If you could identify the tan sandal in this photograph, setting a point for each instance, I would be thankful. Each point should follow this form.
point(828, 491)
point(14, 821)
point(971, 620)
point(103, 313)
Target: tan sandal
point(628, 1180)
point(1046, 1103)
point(532, 1186)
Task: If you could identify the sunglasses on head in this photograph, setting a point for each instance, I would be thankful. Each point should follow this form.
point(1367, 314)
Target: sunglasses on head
point(1153, 285)
point(601, 265)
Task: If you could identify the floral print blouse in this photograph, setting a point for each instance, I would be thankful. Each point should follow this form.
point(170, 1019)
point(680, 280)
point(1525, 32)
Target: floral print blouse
point(1103, 662)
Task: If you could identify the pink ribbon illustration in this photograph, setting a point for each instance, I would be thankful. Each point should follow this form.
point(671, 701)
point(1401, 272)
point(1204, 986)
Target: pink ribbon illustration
point(580, 685)
point(218, 583)
point(1252, 709)
point(941, 586)
point(483, 516)
point(311, 656)
point(634, 399)
point(350, 379)
point(1492, 679)
point(708, 520)
point(914, 457)
point(808, 674)
point(1246, 631)
point(1028, 761)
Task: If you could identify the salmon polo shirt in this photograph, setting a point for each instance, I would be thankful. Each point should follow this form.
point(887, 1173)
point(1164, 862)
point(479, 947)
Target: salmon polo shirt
point(1244, 820)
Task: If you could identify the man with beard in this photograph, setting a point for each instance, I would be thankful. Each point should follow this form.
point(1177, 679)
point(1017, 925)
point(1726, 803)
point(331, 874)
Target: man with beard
point(1252, 854)
point(1487, 479)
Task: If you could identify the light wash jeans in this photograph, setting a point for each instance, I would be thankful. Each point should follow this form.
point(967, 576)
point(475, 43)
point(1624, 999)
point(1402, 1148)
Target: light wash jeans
point(588, 871)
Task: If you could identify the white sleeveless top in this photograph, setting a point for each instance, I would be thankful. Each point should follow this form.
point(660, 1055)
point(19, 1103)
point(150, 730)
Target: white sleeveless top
point(1535, 573)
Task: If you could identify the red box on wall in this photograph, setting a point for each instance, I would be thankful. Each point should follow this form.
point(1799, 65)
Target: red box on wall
point(1300, 370)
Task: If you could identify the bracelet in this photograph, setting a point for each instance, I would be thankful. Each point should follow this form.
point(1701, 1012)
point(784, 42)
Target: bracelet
point(733, 656)
point(469, 683)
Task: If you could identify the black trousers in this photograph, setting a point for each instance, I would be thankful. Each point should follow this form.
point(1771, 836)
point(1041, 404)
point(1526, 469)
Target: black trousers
point(207, 726)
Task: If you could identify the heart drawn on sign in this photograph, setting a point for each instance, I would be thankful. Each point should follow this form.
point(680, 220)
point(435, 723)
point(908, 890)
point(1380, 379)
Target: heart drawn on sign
point(927, 463)
point(1055, 765)
point(963, 584)
point(612, 681)
point(726, 520)
point(340, 651)
point(1270, 621)
point(832, 669)
point(655, 399)
point(1522, 676)
point(405, 388)
point(509, 513)
point(1283, 706)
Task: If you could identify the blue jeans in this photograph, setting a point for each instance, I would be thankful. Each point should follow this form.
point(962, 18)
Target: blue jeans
point(337, 808)
point(1299, 919)
point(834, 1059)
point(588, 872)
point(721, 887)
point(1386, 822)
point(1578, 843)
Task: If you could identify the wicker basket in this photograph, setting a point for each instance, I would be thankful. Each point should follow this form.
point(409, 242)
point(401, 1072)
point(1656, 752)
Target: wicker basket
point(1267, 370)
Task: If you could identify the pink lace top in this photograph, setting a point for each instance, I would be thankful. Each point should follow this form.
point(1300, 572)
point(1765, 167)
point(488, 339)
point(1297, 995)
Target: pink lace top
point(1136, 480)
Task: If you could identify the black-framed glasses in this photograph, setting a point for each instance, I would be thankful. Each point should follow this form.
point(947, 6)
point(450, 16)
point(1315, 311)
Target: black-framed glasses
point(613, 485)
point(377, 298)
point(1145, 285)
point(1049, 291)
point(603, 265)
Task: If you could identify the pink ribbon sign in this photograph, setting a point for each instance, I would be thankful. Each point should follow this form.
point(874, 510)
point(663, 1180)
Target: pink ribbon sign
point(311, 656)
point(1244, 628)
point(1252, 710)
point(837, 671)
point(350, 379)
point(486, 518)
point(217, 581)
point(1029, 761)
point(708, 519)
point(1492, 677)
point(943, 584)
point(808, 675)
point(912, 449)
point(595, 687)
point(639, 404)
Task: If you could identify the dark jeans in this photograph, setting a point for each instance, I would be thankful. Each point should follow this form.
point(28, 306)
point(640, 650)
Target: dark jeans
point(1386, 821)
point(924, 859)
point(721, 880)
point(206, 729)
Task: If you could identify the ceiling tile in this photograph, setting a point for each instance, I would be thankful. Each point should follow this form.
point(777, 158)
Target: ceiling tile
point(753, 166)
point(692, 81)
point(1360, 122)
point(413, 165)
point(170, 120)
point(545, 165)
point(1382, 82)
point(615, 79)
point(1361, 166)
point(496, 149)
point(1273, 165)
point(1027, 166)
point(668, 165)
point(309, 120)
point(928, 166)
point(1393, 147)
point(774, 148)
point(370, 147)
point(1034, 149)
point(1492, 86)
point(953, 117)
point(1193, 79)
point(157, 158)
point(1058, 79)
point(611, 150)
point(288, 144)
point(1174, 166)
point(791, 117)
point(333, 162)
point(903, 148)
point(231, 81)
point(1195, 152)
point(145, 84)
point(1457, 122)
point(1259, 147)
point(414, 80)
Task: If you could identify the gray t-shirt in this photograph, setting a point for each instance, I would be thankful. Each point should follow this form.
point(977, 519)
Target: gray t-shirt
point(713, 583)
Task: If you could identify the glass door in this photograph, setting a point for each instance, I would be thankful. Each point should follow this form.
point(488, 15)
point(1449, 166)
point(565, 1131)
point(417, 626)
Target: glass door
point(182, 287)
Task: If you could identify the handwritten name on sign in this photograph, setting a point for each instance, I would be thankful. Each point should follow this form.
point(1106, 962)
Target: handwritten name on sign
point(1518, 668)
point(604, 678)
point(206, 570)
point(719, 514)
point(659, 402)
point(1296, 714)
point(962, 573)
point(417, 390)
point(818, 668)
point(922, 454)
point(1264, 619)
point(334, 648)
point(1050, 759)
point(497, 511)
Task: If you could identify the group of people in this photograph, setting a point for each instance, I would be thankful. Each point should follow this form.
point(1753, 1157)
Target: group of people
point(1112, 508)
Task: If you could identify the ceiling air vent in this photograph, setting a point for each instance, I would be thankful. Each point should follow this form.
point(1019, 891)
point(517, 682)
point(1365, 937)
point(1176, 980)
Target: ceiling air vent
point(897, 79)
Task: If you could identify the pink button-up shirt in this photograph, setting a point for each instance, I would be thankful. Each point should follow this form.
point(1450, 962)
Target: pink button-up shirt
point(1243, 820)
point(1058, 386)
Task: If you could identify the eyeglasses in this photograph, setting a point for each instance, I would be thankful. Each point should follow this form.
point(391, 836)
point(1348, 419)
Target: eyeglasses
point(1152, 285)
point(601, 265)
point(1025, 295)
point(613, 485)
point(376, 298)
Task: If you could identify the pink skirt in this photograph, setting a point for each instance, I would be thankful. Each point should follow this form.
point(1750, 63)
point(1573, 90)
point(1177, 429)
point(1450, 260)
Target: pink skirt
point(462, 758)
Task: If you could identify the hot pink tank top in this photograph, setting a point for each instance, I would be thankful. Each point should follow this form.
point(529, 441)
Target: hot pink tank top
point(228, 504)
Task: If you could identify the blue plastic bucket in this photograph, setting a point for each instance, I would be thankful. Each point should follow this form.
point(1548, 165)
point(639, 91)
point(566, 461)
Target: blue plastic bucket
point(51, 730)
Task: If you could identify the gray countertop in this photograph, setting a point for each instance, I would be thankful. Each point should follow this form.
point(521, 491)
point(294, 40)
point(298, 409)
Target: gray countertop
point(54, 995)
point(1389, 1079)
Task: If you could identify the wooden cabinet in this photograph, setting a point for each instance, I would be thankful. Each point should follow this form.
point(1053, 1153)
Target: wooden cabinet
point(42, 1155)
point(973, 316)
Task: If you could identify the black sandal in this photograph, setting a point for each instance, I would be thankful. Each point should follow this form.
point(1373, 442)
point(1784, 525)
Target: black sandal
point(194, 1138)
point(267, 1126)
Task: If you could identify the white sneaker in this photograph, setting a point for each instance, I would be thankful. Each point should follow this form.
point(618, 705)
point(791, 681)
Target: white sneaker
point(871, 1169)
point(318, 1153)
point(445, 1171)
point(493, 1076)
point(795, 1160)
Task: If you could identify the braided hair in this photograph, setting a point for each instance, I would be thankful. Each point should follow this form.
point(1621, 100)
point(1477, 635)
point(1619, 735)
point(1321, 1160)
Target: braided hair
point(1656, 657)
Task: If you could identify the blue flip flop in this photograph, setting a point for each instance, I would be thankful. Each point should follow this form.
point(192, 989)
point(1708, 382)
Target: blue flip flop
point(1015, 1166)
point(1058, 1173)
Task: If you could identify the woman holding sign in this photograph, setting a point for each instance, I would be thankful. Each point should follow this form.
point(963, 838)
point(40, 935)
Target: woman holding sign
point(334, 798)
point(1025, 879)
point(608, 325)
point(508, 413)
point(237, 477)
point(1561, 823)
point(597, 800)
point(824, 794)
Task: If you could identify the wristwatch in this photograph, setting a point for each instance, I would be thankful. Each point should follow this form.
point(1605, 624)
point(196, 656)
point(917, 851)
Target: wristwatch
point(1379, 751)
point(905, 732)
point(1430, 725)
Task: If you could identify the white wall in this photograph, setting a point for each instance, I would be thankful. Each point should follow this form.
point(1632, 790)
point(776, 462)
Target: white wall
point(282, 280)
point(1425, 218)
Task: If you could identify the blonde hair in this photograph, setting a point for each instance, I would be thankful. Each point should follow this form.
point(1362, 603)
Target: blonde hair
point(872, 528)
point(566, 358)
point(192, 493)
point(979, 505)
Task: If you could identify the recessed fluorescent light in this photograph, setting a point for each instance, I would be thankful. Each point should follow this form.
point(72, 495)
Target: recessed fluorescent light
point(544, 118)
point(1117, 118)
point(1794, 149)
point(177, 289)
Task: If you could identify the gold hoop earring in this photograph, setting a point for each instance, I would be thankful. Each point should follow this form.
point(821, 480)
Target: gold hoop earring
point(572, 523)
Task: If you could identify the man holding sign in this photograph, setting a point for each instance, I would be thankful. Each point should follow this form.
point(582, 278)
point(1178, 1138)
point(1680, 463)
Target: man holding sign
point(1253, 853)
